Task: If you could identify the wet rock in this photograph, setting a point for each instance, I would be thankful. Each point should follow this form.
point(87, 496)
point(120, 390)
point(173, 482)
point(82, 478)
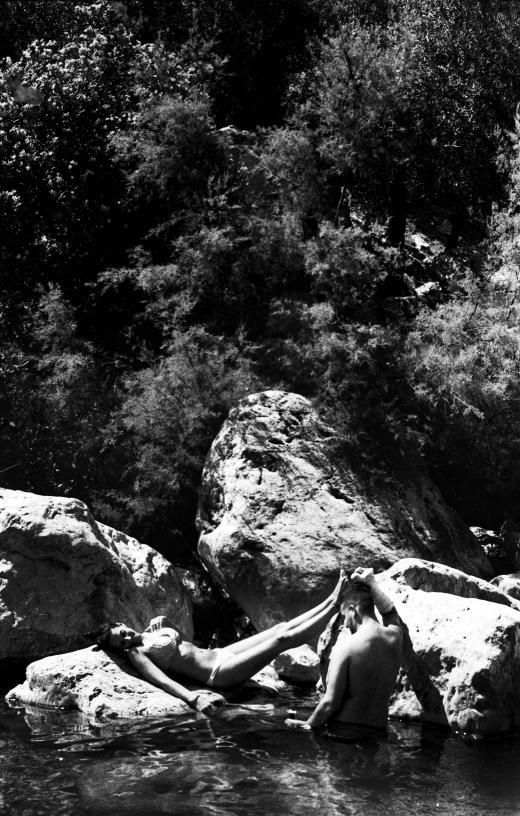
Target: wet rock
point(62, 574)
point(300, 665)
point(281, 509)
point(462, 652)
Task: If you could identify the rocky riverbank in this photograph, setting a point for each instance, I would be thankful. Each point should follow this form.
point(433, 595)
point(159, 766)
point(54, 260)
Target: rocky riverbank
point(280, 512)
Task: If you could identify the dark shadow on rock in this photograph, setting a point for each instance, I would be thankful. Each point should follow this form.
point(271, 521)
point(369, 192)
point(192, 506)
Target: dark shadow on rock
point(428, 695)
point(12, 672)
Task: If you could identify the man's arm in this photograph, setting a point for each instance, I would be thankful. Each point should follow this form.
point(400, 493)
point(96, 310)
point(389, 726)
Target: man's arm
point(330, 703)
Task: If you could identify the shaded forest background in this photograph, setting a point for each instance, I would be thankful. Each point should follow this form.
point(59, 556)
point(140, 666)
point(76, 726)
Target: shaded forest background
point(204, 198)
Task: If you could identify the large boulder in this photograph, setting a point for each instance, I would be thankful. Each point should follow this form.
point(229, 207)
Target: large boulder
point(281, 509)
point(62, 574)
point(102, 687)
point(462, 651)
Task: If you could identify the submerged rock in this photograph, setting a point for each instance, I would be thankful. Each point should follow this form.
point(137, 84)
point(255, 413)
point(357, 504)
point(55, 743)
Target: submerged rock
point(62, 574)
point(282, 509)
point(462, 651)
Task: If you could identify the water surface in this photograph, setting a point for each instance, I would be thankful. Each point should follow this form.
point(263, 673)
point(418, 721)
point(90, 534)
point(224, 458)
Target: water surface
point(246, 762)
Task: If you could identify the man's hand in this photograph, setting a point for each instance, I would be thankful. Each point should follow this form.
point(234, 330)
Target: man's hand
point(383, 603)
point(302, 725)
point(363, 574)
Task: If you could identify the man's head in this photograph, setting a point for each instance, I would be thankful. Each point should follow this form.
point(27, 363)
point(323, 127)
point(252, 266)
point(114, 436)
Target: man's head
point(356, 604)
point(115, 635)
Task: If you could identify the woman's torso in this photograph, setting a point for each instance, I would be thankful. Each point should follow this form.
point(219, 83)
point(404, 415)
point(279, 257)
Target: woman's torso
point(173, 655)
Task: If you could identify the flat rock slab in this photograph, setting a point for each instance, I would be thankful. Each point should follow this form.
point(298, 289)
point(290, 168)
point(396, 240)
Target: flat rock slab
point(104, 688)
point(91, 681)
point(63, 574)
point(282, 509)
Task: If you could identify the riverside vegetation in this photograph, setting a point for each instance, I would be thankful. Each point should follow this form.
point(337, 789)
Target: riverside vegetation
point(204, 199)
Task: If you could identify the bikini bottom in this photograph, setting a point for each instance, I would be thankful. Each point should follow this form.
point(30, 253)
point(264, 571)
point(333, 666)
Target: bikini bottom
point(215, 670)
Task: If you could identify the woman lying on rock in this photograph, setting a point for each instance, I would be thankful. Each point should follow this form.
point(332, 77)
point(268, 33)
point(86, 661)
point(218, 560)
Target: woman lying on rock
point(161, 651)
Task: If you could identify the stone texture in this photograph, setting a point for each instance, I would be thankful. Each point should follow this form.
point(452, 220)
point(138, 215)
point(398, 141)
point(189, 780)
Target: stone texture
point(281, 510)
point(432, 577)
point(105, 688)
point(102, 687)
point(62, 574)
point(509, 584)
point(462, 652)
point(299, 665)
point(502, 548)
point(461, 665)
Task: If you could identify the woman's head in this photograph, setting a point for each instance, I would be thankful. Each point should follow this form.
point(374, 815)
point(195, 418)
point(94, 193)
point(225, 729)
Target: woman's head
point(115, 635)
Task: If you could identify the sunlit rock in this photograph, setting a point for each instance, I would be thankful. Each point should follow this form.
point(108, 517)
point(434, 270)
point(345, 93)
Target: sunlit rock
point(432, 577)
point(462, 650)
point(510, 584)
point(62, 574)
point(282, 509)
point(102, 687)
point(299, 665)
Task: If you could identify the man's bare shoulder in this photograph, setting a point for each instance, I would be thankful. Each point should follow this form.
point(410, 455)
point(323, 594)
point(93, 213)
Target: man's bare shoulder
point(343, 646)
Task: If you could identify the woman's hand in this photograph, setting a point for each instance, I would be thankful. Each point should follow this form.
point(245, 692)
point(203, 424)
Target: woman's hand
point(207, 701)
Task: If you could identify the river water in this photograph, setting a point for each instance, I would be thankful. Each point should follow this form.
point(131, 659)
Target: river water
point(244, 761)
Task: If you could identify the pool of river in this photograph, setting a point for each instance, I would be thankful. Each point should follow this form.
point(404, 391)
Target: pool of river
point(244, 761)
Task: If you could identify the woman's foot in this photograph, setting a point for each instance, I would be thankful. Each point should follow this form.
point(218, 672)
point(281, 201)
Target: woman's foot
point(340, 586)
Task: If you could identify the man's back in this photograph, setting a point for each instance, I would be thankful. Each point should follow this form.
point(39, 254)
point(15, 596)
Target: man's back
point(371, 658)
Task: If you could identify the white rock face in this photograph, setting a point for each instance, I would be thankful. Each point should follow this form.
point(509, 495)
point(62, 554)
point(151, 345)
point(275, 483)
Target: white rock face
point(62, 574)
point(281, 510)
point(463, 652)
point(299, 665)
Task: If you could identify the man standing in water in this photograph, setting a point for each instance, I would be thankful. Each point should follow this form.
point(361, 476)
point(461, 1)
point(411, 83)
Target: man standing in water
point(364, 663)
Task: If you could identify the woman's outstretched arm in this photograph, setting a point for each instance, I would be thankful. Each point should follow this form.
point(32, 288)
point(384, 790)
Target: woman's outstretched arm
point(199, 700)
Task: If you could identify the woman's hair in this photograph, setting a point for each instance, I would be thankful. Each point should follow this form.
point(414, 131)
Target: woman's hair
point(101, 635)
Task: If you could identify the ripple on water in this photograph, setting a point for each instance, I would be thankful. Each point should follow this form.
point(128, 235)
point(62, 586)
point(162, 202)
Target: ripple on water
point(247, 763)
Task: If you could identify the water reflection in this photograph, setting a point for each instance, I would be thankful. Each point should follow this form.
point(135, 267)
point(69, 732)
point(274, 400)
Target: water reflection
point(246, 762)
point(261, 769)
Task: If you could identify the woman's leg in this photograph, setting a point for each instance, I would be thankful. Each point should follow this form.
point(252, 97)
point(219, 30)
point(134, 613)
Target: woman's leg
point(236, 667)
point(289, 626)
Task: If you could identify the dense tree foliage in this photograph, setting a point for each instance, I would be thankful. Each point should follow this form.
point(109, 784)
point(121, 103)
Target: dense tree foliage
point(200, 199)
